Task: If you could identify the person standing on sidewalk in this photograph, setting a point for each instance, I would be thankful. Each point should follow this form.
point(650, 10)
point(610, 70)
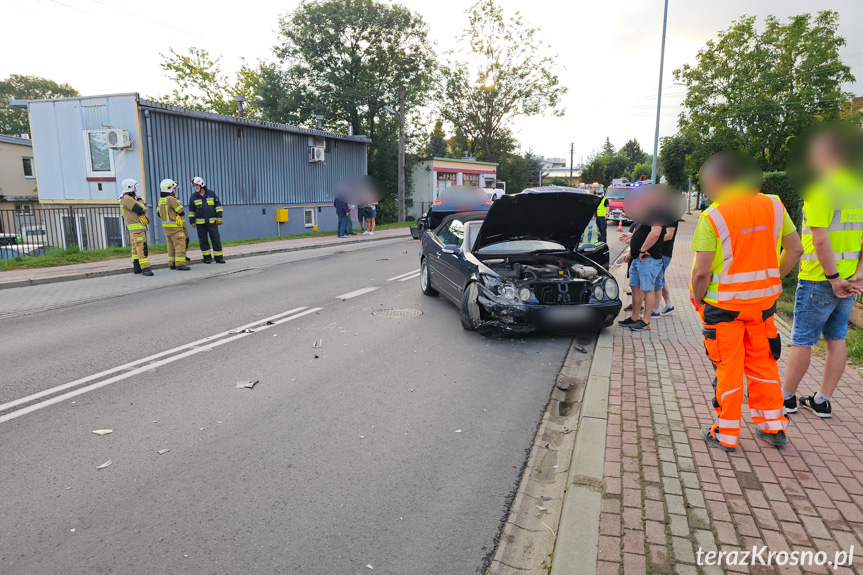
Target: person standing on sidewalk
point(669, 233)
point(736, 280)
point(601, 222)
point(645, 256)
point(171, 213)
point(134, 214)
point(205, 215)
point(343, 211)
point(830, 273)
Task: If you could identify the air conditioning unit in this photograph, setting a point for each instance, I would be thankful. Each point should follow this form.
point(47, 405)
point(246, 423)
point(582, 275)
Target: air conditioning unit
point(118, 139)
point(316, 154)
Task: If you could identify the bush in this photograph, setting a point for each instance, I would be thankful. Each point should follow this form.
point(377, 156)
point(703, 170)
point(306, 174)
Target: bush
point(777, 183)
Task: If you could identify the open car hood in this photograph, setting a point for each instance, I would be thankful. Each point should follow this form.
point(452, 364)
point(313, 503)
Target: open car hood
point(537, 214)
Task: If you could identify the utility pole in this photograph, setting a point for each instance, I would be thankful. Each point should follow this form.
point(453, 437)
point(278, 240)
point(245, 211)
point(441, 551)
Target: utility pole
point(659, 96)
point(571, 157)
point(401, 193)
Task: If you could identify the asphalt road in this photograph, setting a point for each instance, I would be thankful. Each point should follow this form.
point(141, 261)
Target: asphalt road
point(397, 444)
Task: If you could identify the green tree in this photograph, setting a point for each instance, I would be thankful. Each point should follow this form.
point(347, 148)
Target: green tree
point(503, 75)
point(608, 148)
point(673, 156)
point(201, 85)
point(756, 91)
point(15, 122)
point(437, 141)
point(345, 59)
point(633, 154)
point(642, 169)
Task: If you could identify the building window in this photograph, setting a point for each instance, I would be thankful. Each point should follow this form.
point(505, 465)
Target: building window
point(115, 231)
point(311, 218)
point(29, 170)
point(22, 209)
point(470, 179)
point(100, 161)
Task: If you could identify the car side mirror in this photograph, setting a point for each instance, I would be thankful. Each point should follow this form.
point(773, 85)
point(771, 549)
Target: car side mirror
point(452, 249)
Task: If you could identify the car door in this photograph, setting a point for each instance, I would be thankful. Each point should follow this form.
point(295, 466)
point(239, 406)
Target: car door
point(451, 265)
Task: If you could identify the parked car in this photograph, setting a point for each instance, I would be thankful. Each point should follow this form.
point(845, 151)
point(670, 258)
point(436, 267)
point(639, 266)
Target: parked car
point(520, 267)
point(453, 200)
point(9, 252)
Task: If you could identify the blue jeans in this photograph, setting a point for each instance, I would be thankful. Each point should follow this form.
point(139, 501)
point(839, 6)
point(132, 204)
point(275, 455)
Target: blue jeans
point(343, 225)
point(660, 279)
point(818, 312)
point(643, 274)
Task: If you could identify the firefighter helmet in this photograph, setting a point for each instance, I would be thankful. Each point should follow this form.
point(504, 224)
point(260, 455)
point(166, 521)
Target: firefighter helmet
point(168, 186)
point(198, 181)
point(127, 186)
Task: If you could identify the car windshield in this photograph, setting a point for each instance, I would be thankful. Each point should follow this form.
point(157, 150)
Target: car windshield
point(520, 246)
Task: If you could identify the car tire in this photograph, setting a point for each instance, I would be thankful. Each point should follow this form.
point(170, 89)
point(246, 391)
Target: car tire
point(469, 308)
point(425, 279)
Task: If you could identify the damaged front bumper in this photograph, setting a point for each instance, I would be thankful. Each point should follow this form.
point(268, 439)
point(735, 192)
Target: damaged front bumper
point(520, 317)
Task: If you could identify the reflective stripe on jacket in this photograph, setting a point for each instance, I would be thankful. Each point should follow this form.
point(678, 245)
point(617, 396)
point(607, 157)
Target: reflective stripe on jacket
point(204, 209)
point(169, 208)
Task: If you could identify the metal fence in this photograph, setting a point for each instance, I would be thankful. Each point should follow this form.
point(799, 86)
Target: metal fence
point(35, 231)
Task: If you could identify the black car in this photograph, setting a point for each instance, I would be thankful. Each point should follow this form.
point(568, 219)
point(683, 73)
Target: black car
point(458, 199)
point(521, 266)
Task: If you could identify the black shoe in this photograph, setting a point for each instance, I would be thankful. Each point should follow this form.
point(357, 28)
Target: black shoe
point(640, 325)
point(136, 267)
point(188, 259)
point(708, 438)
point(820, 409)
point(791, 405)
point(208, 261)
point(777, 439)
point(221, 261)
point(182, 268)
point(627, 322)
point(147, 272)
point(172, 267)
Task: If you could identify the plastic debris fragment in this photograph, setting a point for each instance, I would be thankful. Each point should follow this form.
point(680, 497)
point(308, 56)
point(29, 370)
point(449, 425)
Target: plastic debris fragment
point(103, 431)
point(248, 384)
point(318, 343)
point(163, 451)
point(106, 464)
point(458, 430)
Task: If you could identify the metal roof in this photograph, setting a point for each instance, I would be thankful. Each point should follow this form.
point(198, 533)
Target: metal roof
point(15, 140)
point(169, 109)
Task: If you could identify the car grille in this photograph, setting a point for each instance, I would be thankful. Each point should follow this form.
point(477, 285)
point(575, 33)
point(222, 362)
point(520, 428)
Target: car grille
point(560, 292)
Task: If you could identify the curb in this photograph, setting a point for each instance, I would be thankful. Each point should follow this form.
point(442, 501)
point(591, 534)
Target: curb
point(120, 271)
point(577, 547)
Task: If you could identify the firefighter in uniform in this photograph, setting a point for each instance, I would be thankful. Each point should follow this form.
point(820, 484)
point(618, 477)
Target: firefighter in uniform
point(134, 213)
point(736, 280)
point(171, 213)
point(205, 215)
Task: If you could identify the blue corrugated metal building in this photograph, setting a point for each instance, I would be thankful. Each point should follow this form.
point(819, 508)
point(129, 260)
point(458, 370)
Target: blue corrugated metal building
point(255, 167)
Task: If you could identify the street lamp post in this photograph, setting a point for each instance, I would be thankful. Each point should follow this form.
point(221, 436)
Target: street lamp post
point(401, 161)
point(659, 96)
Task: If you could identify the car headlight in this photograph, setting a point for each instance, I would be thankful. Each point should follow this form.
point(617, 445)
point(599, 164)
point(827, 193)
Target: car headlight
point(611, 288)
point(597, 292)
point(508, 291)
point(493, 283)
point(524, 294)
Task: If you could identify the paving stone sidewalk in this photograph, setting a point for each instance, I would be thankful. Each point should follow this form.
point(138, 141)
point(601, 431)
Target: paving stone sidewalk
point(36, 276)
point(666, 495)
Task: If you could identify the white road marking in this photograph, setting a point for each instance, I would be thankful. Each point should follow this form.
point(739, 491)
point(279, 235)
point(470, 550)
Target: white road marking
point(355, 293)
point(403, 275)
point(413, 276)
point(188, 350)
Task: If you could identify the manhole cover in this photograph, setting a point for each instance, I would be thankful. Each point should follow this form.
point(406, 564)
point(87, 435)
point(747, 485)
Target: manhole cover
point(397, 312)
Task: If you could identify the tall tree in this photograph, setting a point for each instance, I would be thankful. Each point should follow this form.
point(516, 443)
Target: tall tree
point(757, 91)
point(15, 122)
point(633, 154)
point(437, 141)
point(201, 85)
point(503, 74)
point(345, 59)
point(673, 156)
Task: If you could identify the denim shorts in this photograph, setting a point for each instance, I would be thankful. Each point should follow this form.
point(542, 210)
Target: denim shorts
point(643, 274)
point(818, 312)
point(660, 279)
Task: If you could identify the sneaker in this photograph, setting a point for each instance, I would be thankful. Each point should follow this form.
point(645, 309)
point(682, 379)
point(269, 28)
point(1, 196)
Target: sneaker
point(777, 439)
point(791, 405)
point(640, 325)
point(820, 409)
point(654, 314)
point(629, 308)
point(627, 322)
point(371, 233)
point(708, 438)
point(668, 309)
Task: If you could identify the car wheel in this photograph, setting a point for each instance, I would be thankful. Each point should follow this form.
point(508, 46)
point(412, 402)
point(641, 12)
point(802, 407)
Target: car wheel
point(425, 279)
point(469, 308)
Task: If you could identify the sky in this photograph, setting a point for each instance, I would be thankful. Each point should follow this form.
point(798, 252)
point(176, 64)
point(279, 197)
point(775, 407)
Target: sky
point(608, 51)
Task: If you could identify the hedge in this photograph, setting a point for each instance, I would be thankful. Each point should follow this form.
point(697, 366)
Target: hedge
point(777, 183)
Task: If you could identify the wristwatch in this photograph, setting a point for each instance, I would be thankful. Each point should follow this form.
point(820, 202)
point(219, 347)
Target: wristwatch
point(833, 277)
